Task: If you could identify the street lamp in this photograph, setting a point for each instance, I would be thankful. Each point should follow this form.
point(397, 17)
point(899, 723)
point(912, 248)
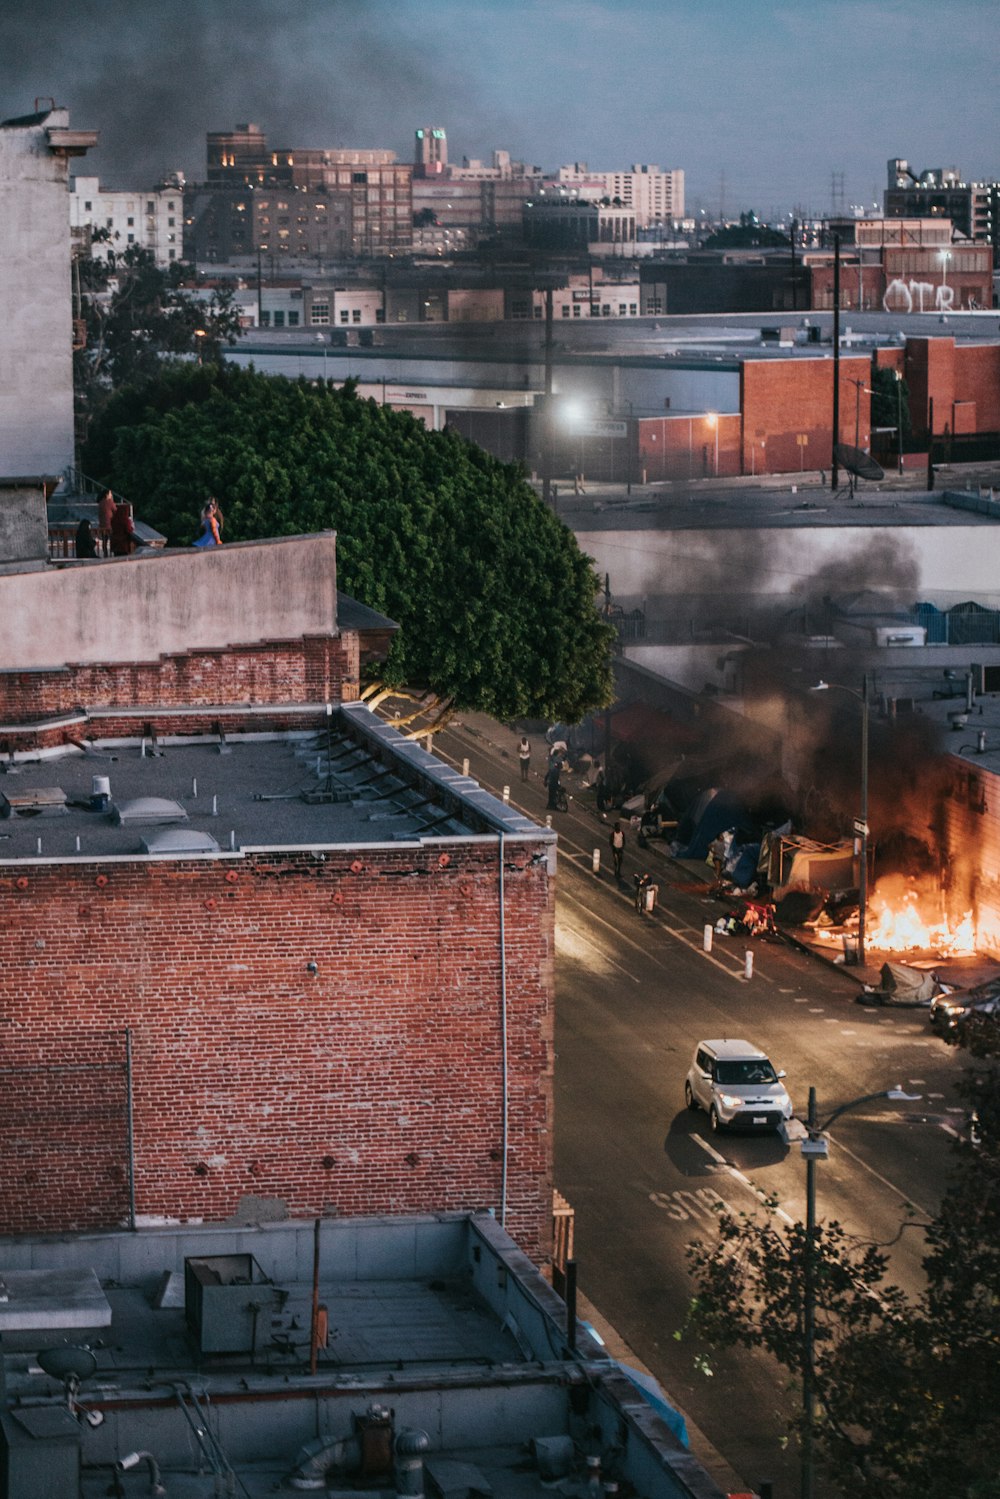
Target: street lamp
point(861, 824)
point(815, 1147)
point(899, 416)
point(200, 334)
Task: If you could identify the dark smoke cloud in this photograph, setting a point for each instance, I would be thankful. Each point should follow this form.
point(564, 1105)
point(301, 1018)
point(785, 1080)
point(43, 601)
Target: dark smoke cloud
point(153, 76)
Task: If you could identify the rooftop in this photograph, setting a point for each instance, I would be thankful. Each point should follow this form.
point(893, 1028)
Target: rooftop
point(705, 507)
point(438, 1342)
point(355, 781)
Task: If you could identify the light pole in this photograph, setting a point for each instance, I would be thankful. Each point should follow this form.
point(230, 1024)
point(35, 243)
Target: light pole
point(861, 824)
point(321, 339)
point(899, 416)
point(200, 334)
point(815, 1147)
point(628, 477)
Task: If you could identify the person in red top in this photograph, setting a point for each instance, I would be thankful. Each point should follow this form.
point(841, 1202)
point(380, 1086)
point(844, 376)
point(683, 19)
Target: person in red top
point(105, 512)
point(123, 537)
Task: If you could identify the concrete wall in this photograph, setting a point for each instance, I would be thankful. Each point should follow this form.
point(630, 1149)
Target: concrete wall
point(129, 609)
point(36, 372)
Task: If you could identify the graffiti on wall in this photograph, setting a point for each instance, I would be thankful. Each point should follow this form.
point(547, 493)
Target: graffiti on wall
point(918, 296)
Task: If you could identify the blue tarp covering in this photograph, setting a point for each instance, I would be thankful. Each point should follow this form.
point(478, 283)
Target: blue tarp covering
point(653, 1394)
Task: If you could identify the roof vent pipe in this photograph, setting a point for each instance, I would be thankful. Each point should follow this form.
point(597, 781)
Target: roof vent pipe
point(410, 1445)
point(100, 793)
point(981, 737)
point(970, 691)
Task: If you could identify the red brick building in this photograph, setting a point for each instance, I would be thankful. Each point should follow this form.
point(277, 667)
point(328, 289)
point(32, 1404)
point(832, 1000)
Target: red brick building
point(306, 968)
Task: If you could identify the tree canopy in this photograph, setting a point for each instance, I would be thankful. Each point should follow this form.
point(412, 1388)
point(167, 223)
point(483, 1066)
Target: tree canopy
point(906, 1389)
point(495, 600)
point(748, 234)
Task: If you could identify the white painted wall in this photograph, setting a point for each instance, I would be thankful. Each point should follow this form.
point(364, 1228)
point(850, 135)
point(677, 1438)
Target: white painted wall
point(940, 564)
point(143, 607)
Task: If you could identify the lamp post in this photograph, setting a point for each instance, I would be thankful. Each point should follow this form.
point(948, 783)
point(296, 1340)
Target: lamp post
point(200, 334)
point(815, 1147)
point(861, 824)
point(899, 416)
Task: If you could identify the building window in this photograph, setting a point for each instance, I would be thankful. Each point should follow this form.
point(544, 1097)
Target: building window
point(293, 319)
point(576, 309)
point(279, 319)
point(606, 309)
point(622, 309)
point(130, 222)
point(356, 315)
point(171, 223)
point(171, 254)
point(359, 177)
point(87, 207)
point(344, 315)
point(564, 310)
point(150, 206)
point(265, 320)
point(380, 314)
point(319, 312)
point(170, 207)
point(131, 239)
point(632, 309)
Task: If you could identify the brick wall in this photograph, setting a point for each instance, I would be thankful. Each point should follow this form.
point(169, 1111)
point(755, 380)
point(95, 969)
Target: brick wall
point(315, 669)
point(784, 399)
point(373, 1086)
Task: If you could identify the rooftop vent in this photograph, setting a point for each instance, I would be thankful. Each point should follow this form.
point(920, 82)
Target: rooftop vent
point(148, 811)
point(179, 841)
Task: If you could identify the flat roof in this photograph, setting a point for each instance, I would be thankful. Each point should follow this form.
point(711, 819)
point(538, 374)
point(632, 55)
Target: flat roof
point(748, 507)
point(353, 781)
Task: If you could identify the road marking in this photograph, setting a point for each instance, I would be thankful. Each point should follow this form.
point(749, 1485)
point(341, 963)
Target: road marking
point(739, 1176)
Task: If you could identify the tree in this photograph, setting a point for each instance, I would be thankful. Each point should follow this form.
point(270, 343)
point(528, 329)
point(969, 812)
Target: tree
point(906, 1390)
point(748, 234)
point(495, 601)
point(136, 315)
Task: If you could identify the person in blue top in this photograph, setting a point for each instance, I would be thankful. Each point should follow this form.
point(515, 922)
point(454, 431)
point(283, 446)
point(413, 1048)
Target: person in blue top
point(210, 533)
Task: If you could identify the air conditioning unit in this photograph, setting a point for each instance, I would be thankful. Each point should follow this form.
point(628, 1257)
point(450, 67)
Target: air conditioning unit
point(892, 635)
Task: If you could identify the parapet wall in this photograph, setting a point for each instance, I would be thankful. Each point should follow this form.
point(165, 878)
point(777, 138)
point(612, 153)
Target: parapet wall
point(143, 608)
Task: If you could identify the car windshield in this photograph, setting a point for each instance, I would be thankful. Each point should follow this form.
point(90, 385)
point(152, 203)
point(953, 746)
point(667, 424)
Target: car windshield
point(733, 1074)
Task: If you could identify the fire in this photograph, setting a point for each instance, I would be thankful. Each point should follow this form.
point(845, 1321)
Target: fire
point(904, 928)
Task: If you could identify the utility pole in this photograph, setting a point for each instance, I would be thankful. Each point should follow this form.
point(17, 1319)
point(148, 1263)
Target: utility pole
point(547, 415)
point(834, 471)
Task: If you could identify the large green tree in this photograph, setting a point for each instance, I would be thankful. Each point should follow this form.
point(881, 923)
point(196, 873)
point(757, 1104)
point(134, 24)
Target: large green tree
point(906, 1389)
point(495, 600)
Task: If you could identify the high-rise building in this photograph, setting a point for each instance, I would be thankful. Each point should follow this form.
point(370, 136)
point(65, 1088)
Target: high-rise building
point(36, 332)
point(431, 155)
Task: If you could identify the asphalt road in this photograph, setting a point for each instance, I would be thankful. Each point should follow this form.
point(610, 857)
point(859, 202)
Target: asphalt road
point(633, 997)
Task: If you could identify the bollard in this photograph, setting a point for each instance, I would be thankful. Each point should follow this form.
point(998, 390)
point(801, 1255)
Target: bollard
point(649, 899)
point(706, 939)
point(194, 786)
point(506, 794)
point(465, 767)
point(548, 820)
point(748, 964)
point(596, 860)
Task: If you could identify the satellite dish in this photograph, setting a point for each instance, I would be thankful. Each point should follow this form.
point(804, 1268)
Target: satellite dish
point(70, 1363)
point(859, 465)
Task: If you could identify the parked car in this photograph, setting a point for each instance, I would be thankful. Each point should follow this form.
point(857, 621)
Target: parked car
point(949, 1010)
point(737, 1086)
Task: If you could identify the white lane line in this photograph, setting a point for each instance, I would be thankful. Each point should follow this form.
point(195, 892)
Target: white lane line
point(739, 1176)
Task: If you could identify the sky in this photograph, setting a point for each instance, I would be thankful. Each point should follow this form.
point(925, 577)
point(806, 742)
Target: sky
point(770, 105)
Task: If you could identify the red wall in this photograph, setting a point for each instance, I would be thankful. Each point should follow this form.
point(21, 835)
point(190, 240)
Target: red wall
point(785, 398)
point(373, 1086)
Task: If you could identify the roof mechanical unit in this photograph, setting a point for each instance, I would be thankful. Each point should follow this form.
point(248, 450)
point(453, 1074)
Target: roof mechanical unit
point(179, 841)
point(149, 811)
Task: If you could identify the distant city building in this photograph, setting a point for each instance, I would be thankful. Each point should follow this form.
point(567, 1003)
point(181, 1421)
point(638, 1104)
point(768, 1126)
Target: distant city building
point(941, 193)
point(374, 215)
point(431, 155)
point(36, 333)
point(152, 220)
point(655, 197)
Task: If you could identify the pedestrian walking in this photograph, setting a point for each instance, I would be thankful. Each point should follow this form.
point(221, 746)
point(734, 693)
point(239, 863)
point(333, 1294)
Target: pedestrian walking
point(524, 756)
point(616, 840)
point(553, 785)
point(601, 790)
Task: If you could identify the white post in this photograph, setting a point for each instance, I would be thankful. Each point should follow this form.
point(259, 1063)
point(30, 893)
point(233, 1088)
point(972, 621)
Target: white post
point(506, 794)
point(706, 939)
point(748, 964)
point(596, 861)
point(465, 767)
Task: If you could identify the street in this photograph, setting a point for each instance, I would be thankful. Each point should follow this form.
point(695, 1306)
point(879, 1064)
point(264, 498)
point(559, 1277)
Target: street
point(634, 994)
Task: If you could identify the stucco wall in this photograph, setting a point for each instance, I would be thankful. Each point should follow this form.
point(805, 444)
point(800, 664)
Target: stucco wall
point(36, 376)
point(127, 609)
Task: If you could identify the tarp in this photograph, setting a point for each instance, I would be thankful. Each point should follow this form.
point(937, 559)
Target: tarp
point(654, 1396)
point(715, 811)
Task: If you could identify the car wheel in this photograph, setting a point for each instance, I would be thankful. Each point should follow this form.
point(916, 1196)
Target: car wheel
point(689, 1097)
point(714, 1122)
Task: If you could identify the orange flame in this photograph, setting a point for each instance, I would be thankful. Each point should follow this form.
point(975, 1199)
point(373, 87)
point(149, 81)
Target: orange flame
point(905, 929)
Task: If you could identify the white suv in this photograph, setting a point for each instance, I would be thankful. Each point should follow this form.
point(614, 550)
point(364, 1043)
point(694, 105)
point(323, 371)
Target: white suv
point(737, 1085)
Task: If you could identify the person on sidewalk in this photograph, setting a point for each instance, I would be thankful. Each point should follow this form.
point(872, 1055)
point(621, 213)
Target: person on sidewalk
point(616, 840)
point(524, 756)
